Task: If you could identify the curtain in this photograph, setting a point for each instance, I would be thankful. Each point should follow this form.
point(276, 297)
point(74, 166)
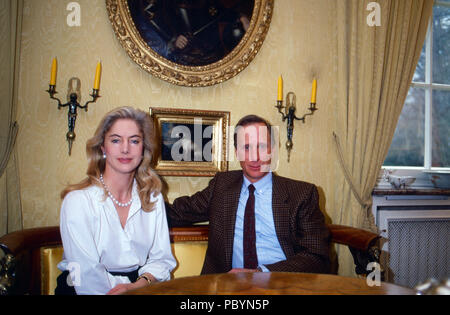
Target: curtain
point(10, 35)
point(375, 65)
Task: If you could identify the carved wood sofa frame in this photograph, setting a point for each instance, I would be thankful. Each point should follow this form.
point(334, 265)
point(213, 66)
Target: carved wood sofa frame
point(20, 266)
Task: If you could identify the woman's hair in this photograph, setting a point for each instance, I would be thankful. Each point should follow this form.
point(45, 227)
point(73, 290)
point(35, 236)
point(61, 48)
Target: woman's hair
point(147, 180)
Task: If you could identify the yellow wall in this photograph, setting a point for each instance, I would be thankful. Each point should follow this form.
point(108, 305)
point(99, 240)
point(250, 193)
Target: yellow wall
point(298, 46)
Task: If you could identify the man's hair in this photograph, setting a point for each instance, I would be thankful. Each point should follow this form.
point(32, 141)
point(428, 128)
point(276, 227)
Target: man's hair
point(252, 119)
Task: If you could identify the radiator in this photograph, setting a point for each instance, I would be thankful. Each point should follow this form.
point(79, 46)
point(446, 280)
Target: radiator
point(416, 244)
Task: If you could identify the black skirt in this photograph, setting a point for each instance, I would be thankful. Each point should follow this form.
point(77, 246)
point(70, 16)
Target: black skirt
point(63, 288)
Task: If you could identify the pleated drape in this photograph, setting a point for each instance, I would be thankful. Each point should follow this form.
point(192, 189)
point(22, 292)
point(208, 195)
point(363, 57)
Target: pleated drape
point(375, 65)
point(10, 36)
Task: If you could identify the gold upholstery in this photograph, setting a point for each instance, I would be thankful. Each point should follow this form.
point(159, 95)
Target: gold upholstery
point(191, 254)
point(50, 257)
point(190, 257)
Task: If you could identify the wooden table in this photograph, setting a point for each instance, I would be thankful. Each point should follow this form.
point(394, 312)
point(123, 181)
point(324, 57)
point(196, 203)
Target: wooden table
point(270, 283)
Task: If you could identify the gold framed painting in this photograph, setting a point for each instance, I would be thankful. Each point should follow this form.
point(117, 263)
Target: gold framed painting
point(191, 43)
point(190, 142)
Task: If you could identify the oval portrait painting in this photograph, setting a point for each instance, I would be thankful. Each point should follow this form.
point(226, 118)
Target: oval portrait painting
point(192, 32)
point(191, 42)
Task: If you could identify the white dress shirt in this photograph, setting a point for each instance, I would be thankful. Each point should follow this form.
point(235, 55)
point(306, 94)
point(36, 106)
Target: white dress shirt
point(95, 243)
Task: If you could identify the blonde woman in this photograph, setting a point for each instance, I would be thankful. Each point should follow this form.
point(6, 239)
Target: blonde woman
point(113, 224)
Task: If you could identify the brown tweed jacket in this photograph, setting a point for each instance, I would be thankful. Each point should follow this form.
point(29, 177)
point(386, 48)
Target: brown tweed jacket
point(299, 223)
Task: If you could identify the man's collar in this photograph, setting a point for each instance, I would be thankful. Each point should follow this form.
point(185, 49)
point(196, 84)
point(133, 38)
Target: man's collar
point(261, 184)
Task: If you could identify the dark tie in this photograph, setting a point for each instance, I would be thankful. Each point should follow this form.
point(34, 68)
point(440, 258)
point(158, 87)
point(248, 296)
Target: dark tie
point(250, 257)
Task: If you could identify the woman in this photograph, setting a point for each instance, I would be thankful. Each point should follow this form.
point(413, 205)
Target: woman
point(113, 223)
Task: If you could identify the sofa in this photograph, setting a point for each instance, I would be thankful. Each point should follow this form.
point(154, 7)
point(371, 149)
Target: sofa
point(28, 258)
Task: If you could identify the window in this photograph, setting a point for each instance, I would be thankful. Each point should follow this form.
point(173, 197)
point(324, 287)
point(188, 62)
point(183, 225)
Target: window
point(422, 137)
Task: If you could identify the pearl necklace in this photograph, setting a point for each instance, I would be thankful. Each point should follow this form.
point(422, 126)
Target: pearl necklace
point(120, 204)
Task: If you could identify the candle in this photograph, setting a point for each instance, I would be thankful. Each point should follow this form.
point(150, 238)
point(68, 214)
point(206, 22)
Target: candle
point(314, 92)
point(53, 72)
point(98, 74)
point(280, 88)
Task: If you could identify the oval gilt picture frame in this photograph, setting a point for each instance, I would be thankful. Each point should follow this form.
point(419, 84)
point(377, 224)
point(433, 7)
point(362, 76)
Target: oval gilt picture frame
point(178, 45)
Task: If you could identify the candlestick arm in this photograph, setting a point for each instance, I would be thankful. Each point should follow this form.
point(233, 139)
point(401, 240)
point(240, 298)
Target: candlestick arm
point(95, 95)
point(312, 108)
point(280, 106)
point(52, 91)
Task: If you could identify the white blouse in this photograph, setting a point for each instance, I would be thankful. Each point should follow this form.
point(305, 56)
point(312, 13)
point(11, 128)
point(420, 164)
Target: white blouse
point(95, 243)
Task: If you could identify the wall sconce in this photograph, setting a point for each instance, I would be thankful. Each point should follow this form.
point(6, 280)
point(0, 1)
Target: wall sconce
point(290, 108)
point(73, 95)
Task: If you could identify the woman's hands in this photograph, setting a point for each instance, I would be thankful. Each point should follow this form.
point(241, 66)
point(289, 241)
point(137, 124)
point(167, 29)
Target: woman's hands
point(120, 289)
point(125, 287)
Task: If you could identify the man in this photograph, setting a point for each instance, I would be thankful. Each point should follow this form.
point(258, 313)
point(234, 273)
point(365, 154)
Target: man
point(275, 226)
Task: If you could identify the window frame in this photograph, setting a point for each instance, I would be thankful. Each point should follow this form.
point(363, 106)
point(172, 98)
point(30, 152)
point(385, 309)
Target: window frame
point(428, 86)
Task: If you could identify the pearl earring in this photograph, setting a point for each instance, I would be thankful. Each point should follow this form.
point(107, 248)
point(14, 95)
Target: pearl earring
point(104, 155)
